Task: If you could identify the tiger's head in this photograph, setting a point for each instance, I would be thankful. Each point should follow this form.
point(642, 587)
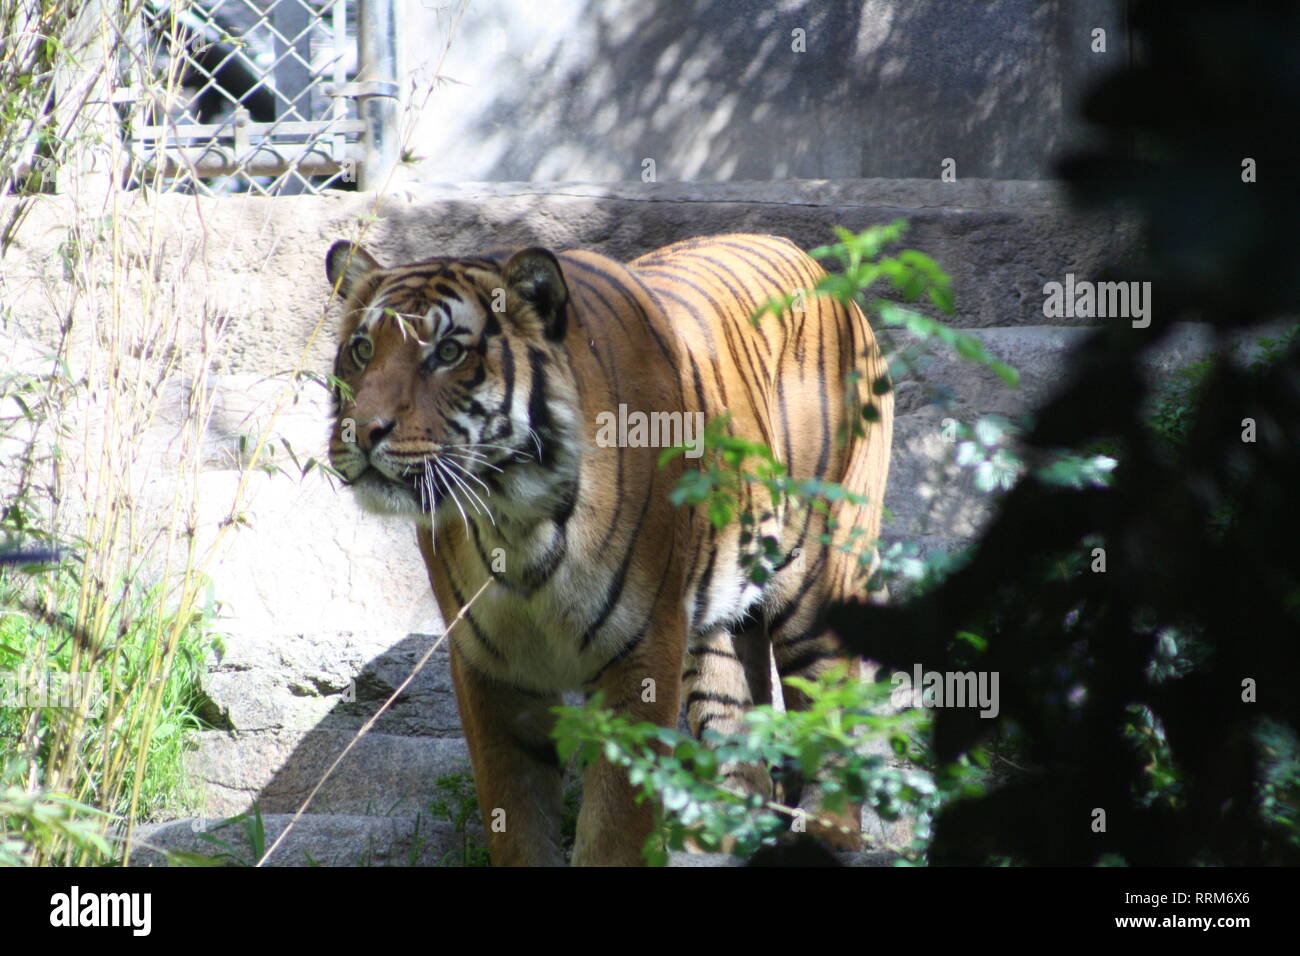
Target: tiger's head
point(454, 397)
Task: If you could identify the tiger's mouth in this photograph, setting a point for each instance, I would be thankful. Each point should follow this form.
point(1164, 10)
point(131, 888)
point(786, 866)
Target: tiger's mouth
point(469, 482)
point(437, 484)
point(379, 493)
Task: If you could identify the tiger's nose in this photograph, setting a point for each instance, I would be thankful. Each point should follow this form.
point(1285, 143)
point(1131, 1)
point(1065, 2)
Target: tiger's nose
point(373, 432)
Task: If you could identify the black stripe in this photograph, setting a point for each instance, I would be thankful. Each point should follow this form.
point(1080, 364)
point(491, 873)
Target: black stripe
point(811, 576)
point(697, 696)
point(723, 273)
point(704, 723)
point(702, 588)
point(543, 753)
point(615, 590)
point(539, 414)
point(503, 410)
point(804, 661)
point(487, 563)
point(815, 632)
point(469, 618)
point(634, 303)
point(620, 497)
point(752, 371)
point(457, 427)
point(625, 650)
point(699, 383)
point(645, 628)
point(539, 571)
point(475, 380)
point(789, 279)
point(696, 652)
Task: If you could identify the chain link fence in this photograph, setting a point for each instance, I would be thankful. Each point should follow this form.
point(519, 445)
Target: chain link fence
point(270, 97)
point(260, 94)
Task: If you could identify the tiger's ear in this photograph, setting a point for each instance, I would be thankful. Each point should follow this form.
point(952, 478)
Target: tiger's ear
point(534, 274)
point(346, 264)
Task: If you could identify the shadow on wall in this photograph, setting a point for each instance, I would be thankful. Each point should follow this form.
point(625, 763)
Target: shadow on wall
point(719, 91)
point(395, 768)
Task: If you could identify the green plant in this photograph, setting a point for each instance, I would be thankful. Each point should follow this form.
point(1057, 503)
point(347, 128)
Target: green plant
point(458, 805)
point(126, 600)
point(31, 820)
point(101, 664)
point(253, 830)
point(836, 740)
point(1279, 789)
point(911, 274)
point(1172, 412)
point(38, 652)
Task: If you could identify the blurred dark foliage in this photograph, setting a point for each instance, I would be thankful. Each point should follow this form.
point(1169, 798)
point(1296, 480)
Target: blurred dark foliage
point(795, 849)
point(1202, 538)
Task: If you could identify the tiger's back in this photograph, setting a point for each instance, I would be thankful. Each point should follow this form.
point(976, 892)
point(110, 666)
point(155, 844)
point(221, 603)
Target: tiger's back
point(783, 381)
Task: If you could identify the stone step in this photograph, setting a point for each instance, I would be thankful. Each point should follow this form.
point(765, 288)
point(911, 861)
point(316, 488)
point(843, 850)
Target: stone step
point(329, 680)
point(359, 840)
point(999, 240)
point(866, 858)
point(384, 774)
point(316, 840)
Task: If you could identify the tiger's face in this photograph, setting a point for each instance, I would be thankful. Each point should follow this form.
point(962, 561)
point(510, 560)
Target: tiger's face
point(445, 408)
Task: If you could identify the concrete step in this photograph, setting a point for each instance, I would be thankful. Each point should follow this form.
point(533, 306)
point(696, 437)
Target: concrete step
point(267, 682)
point(866, 858)
point(316, 840)
point(355, 840)
point(384, 774)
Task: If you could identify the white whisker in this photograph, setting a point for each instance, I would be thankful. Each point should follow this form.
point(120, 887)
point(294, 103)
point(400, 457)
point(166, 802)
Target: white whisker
point(426, 493)
point(448, 473)
point(470, 491)
point(472, 457)
point(451, 460)
point(451, 493)
point(479, 444)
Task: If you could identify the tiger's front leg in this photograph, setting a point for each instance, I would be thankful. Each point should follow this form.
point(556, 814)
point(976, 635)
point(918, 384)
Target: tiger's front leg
point(517, 770)
point(612, 826)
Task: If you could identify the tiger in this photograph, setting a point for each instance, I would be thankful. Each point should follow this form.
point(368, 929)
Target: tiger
point(473, 397)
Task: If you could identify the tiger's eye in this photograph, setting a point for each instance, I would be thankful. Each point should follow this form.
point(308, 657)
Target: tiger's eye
point(449, 350)
point(362, 350)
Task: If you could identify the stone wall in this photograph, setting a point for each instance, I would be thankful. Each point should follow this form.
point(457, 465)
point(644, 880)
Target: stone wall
point(724, 90)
